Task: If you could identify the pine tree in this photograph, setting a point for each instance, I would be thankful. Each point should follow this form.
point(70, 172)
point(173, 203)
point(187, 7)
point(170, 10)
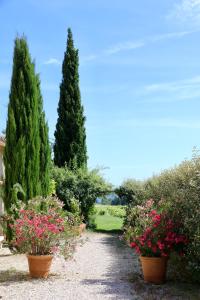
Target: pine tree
point(22, 154)
point(70, 136)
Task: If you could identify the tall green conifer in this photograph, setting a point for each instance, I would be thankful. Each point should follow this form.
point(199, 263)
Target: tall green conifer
point(70, 137)
point(22, 156)
point(45, 152)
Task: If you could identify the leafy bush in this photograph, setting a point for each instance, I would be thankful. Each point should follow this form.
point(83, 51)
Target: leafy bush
point(116, 211)
point(101, 212)
point(131, 191)
point(82, 186)
point(155, 234)
point(91, 222)
point(179, 191)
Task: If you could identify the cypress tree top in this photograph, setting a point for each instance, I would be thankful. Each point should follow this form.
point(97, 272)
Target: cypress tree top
point(70, 136)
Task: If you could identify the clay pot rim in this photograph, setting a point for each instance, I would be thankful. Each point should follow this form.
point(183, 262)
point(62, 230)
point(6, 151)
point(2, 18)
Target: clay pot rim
point(39, 256)
point(153, 257)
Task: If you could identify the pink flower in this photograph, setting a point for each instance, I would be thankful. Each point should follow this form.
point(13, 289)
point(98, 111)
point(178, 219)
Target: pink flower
point(154, 249)
point(149, 244)
point(133, 245)
point(159, 237)
point(153, 212)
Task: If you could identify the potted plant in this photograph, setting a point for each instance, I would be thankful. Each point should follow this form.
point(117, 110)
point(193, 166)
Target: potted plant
point(160, 235)
point(40, 234)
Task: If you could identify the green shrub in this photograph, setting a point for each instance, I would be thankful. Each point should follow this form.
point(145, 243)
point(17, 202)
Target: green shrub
point(101, 212)
point(178, 189)
point(1, 191)
point(83, 185)
point(91, 222)
point(116, 211)
point(131, 191)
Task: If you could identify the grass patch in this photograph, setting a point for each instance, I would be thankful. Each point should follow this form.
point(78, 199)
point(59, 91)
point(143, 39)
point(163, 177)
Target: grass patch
point(107, 223)
point(112, 210)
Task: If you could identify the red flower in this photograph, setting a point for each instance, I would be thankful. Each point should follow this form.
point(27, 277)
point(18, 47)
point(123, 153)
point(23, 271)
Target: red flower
point(37, 233)
point(160, 237)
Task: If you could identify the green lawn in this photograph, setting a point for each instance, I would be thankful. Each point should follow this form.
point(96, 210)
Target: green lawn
point(108, 223)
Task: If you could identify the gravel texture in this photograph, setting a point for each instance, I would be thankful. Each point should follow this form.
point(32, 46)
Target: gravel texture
point(99, 270)
point(102, 268)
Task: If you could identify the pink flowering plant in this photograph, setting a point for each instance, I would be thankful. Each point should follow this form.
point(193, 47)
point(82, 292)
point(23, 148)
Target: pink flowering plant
point(36, 233)
point(155, 234)
point(42, 230)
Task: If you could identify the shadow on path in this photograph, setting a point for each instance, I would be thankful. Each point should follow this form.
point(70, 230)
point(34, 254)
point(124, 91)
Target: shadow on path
point(12, 275)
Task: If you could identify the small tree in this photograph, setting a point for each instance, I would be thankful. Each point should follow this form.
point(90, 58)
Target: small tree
point(130, 192)
point(82, 185)
point(70, 136)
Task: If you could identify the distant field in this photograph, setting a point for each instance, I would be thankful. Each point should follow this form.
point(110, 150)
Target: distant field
point(108, 217)
point(112, 210)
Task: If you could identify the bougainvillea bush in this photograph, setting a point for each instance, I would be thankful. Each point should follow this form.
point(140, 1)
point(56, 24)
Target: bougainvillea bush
point(156, 234)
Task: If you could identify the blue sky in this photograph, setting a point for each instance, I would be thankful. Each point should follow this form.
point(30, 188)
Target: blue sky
point(139, 75)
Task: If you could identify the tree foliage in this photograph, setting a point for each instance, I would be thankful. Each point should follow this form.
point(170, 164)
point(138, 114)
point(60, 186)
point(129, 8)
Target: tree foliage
point(130, 191)
point(178, 190)
point(25, 140)
point(81, 185)
point(70, 136)
point(45, 151)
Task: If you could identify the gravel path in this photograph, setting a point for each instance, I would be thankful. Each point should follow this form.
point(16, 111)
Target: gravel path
point(102, 268)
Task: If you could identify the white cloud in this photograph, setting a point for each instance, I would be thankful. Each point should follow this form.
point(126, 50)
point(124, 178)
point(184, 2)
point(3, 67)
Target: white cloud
point(168, 92)
point(132, 45)
point(124, 46)
point(52, 61)
point(186, 11)
point(168, 36)
point(173, 85)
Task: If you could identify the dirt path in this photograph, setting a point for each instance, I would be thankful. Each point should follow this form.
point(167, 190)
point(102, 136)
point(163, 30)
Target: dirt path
point(102, 268)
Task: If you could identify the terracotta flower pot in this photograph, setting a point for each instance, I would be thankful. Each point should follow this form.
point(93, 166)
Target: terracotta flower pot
point(154, 269)
point(82, 227)
point(39, 265)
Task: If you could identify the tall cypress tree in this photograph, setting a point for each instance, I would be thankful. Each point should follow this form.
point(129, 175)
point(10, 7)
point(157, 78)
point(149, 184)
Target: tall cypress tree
point(22, 154)
point(70, 136)
point(45, 152)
